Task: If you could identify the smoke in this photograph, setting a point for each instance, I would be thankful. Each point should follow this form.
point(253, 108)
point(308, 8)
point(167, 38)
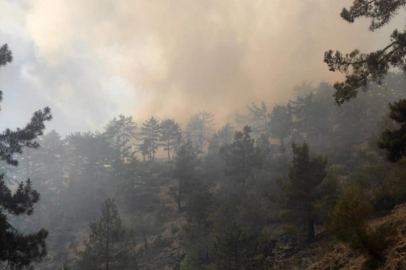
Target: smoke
point(95, 59)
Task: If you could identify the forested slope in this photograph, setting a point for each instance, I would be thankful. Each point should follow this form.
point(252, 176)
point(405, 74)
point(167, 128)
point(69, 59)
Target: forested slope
point(257, 193)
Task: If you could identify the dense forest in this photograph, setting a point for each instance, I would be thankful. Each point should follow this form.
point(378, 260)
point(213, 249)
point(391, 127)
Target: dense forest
point(306, 176)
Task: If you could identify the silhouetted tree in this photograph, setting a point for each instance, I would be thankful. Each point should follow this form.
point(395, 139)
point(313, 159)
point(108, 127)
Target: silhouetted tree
point(48, 166)
point(394, 141)
point(186, 162)
point(200, 129)
point(363, 68)
point(119, 135)
point(305, 175)
point(169, 133)
point(257, 118)
point(240, 156)
point(280, 123)
point(144, 148)
point(226, 134)
point(88, 154)
point(150, 131)
point(18, 250)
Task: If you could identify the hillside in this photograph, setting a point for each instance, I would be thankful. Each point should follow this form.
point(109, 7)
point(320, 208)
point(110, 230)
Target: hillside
point(326, 254)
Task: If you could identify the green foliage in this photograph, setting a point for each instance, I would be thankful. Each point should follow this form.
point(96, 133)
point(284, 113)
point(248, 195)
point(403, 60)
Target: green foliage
point(186, 161)
point(150, 134)
point(170, 133)
point(18, 250)
point(5, 55)
point(241, 156)
point(187, 264)
point(280, 123)
point(382, 179)
point(238, 247)
point(161, 243)
point(394, 142)
point(379, 11)
point(174, 229)
point(199, 205)
point(108, 245)
point(305, 176)
point(348, 221)
point(363, 68)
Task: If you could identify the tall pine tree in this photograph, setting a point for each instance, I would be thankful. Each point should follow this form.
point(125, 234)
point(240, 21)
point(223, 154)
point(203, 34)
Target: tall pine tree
point(169, 134)
point(186, 162)
point(305, 176)
point(150, 132)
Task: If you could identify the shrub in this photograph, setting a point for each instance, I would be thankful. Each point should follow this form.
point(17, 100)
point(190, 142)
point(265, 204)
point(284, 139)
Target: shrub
point(174, 229)
point(162, 242)
point(348, 222)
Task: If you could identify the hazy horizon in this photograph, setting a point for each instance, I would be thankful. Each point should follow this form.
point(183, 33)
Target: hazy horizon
point(90, 61)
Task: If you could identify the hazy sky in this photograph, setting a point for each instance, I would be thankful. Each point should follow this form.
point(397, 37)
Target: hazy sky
point(90, 60)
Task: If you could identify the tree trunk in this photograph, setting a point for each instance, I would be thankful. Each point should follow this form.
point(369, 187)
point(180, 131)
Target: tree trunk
point(179, 197)
point(145, 240)
point(282, 145)
point(310, 230)
point(107, 249)
point(169, 157)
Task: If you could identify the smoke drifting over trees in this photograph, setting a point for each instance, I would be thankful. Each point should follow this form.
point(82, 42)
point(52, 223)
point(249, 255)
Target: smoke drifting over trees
point(169, 59)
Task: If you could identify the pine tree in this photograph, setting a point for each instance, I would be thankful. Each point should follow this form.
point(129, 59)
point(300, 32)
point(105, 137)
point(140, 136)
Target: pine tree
point(241, 156)
point(48, 164)
point(280, 124)
point(195, 233)
point(150, 131)
point(144, 149)
point(394, 141)
point(119, 135)
point(305, 176)
point(226, 134)
point(88, 154)
point(169, 133)
point(363, 68)
point(199, 206)
point(257, 118)
point(302, 110)
point(18, 250)
point(186, 162)
point(107, 246)
point(200, 129)
point(212, 161)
